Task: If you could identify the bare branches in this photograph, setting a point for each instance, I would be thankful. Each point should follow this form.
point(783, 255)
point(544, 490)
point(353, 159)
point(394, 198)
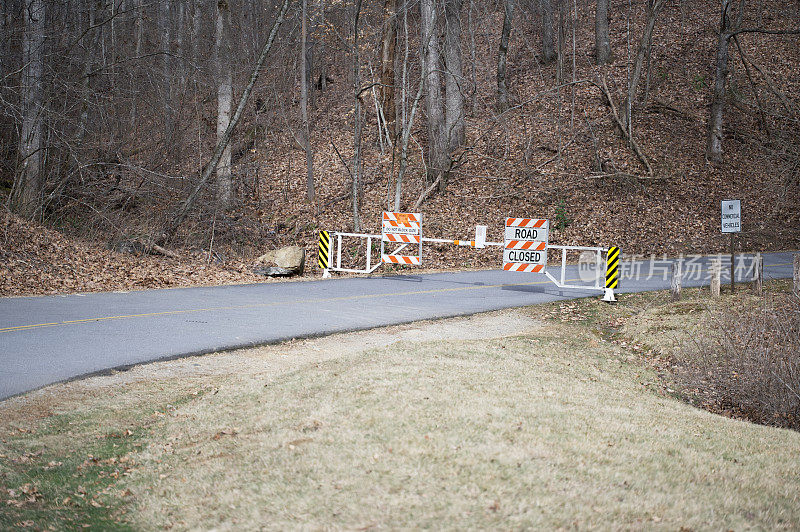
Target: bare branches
point(634, 145)
point(180, 215)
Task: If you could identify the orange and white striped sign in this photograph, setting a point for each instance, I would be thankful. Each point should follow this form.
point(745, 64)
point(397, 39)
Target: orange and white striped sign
point(401, 228)
point(517, 267)
point(526, 244)
point(525, 248)
point(525, 222)
point(402, 217)
point(408, 239)
point(401, 259)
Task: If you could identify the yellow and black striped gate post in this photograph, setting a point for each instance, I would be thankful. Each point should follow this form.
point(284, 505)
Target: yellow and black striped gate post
point(612, 273)
point(324, 260)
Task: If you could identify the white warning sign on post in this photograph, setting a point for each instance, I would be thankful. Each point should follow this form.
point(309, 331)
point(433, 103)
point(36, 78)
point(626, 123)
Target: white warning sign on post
point(525, 247)
point(403, 229)
point(731, 216)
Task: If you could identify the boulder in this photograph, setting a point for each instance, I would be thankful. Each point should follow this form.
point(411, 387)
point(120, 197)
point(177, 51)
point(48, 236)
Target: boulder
point(284, 261)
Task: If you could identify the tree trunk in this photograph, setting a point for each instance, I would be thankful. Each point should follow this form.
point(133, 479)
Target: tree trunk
point(164, 22)
point(138, 30)
point(626, 108)
point(319, 47)
point(473, 102)
point(179, 42)
point(197, 26)
point(714, 145)
point(438, 157)
point(357, 126)
point(406, 135)
point(454, 76)
point(304, 67)
point(601, 39)
point(548, 49)
point(90, 38)
point(30, 175)
point(388, 51)
point(502, 90)
point(223, 59)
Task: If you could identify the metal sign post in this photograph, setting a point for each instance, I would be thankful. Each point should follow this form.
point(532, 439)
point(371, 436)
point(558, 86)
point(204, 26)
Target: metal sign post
point(732, 223)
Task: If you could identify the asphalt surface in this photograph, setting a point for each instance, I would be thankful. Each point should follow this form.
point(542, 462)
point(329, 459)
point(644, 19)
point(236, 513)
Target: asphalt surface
point(49, 339)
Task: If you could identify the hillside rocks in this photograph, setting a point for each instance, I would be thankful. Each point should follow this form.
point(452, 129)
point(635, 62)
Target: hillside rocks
point(281, 262)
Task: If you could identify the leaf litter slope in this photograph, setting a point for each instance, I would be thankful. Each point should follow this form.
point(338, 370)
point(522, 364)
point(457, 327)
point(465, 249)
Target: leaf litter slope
point(549, 427)
point(533, 161)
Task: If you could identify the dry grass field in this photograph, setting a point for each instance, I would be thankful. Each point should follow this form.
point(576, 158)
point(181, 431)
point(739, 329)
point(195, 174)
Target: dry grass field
point(501, 421)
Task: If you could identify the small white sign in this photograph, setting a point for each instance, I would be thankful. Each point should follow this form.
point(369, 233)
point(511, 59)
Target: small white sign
point(731, 216)
point(480, 236)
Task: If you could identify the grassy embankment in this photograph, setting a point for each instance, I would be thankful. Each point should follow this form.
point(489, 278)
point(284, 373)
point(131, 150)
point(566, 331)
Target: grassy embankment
point(567, 425)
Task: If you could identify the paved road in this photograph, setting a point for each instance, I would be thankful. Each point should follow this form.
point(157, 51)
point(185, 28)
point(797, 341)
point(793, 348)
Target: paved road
point(55, 338)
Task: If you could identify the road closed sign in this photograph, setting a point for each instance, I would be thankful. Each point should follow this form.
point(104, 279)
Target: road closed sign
point(525, 248)
point(731, 216)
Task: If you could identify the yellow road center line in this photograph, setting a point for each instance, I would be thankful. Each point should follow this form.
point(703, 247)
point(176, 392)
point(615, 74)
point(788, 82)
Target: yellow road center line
point(293, 302)
point(266, 305)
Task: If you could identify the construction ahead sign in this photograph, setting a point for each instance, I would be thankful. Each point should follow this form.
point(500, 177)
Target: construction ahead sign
point(525, 247)
point(401, 229)
point(324, 246)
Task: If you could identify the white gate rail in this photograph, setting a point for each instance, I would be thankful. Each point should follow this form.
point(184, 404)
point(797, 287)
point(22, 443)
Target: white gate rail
point(560, 281)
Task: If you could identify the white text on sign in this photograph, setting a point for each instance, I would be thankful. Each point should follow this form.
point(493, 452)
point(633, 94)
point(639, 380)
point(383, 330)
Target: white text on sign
point(525, 247)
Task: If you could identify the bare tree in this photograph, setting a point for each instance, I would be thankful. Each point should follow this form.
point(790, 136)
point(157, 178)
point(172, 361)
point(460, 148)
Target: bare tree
point(224, 71)
point(165, 29)
point(407, 117)
point(727, 30)
point(304, 68)
point(91, 40)
point(358, 123)
point(438, 156)
point(388, 51)
point(318, 49)
point(30, 172)
point(601, 39)
point(454, 76)
point(472, 58)
point(180, 214)
point(626, 107)
point(549, 53)
point(502, 90)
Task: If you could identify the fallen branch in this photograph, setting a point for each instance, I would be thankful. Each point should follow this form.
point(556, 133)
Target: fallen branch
point(633, 144)
point(427, 192)
point(162, 251)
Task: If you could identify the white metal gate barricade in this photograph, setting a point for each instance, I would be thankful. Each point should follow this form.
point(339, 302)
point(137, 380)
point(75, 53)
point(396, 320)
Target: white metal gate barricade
point(336, 250)
point(336, 255)
point(479, 242)
point(561, 282)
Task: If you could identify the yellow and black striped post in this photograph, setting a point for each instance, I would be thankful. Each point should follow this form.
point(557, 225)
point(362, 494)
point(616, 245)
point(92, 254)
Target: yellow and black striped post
point(324, 250)
point(612, 273)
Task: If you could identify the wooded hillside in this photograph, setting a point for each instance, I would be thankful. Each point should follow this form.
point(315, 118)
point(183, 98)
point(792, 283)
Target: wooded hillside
point(203, 133)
